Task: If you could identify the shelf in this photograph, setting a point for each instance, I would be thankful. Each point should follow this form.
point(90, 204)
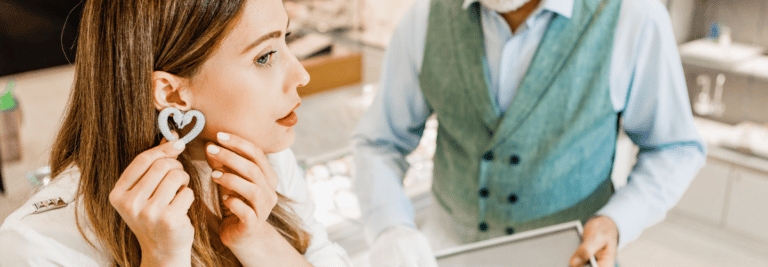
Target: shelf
point(757, 67)
point(741, 59)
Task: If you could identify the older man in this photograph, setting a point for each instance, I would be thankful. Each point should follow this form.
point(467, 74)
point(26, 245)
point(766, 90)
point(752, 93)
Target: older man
point(529, 96)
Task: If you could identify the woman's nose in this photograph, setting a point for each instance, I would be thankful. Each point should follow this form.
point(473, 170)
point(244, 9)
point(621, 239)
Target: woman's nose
point(298, 74)
point(303, 76)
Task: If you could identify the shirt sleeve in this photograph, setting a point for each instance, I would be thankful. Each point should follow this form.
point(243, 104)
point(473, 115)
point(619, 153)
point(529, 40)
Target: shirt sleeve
point(658, 119)
point(22, 246)
point(392, 127)
point(321, 251)
point(28, 239)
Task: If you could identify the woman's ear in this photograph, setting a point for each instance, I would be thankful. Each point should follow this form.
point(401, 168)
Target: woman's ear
point(169, 91)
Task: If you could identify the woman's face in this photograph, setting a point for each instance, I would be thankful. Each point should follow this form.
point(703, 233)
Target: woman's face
point(248, 86)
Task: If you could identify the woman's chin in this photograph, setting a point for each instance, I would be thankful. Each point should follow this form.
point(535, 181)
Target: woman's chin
point(281, 142)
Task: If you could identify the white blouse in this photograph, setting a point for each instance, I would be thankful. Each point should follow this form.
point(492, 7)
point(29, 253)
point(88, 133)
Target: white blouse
point(51, 238)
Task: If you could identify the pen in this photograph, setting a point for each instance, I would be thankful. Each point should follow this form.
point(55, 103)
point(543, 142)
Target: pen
point(592, 261)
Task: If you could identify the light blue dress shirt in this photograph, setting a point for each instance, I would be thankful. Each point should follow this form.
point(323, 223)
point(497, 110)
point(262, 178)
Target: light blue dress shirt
point(647, 86)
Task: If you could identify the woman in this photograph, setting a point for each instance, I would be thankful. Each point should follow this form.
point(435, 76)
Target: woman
point(233, 196)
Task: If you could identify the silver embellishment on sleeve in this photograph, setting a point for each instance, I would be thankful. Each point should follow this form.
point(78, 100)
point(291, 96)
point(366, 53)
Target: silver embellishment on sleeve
point(48, 205)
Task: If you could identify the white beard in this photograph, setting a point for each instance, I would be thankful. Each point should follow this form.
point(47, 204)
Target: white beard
point(503, 6)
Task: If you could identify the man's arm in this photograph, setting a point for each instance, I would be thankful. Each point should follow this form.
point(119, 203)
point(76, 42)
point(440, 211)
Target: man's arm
point(648, 85)
point(658, 119)
point(392, 127)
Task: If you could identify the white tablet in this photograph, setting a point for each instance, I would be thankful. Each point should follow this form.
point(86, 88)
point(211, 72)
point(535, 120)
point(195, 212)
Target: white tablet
point(546, 247)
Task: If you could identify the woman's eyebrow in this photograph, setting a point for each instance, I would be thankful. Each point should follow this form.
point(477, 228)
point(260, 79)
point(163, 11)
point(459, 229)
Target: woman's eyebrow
point(271, 35)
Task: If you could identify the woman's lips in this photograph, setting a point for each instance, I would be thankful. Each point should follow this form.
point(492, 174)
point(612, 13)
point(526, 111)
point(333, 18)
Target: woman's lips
point(290, 120)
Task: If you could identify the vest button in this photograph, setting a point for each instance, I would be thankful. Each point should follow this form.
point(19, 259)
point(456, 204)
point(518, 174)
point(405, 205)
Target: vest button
point(488, 156)
point(484, 192)
point(510, 230)
point(514, 160)
point(483, 226)
point(512, 198)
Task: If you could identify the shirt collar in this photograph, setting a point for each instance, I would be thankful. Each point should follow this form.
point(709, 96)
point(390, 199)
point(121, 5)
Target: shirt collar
point(561, 7)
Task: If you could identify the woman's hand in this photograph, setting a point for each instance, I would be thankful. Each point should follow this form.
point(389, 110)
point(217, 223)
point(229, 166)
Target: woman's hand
point(248, 191)
point(152, 197)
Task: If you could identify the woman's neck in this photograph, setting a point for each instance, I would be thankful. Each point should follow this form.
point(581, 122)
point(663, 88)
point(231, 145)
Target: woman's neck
point(196, 149)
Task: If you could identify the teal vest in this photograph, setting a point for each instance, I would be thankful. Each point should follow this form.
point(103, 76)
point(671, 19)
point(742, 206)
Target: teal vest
point(549, 159)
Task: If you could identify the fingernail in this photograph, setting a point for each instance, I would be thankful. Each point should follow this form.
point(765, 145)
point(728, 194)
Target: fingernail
point(213, 149)
point(216, 174)
point(179, 145)
point(223, 136)
point(224, 197)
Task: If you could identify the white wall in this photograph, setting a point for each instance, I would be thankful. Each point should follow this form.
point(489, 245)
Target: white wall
point(747, 19)
point(681, 13)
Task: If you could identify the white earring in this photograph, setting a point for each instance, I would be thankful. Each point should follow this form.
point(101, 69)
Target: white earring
point(181, 119)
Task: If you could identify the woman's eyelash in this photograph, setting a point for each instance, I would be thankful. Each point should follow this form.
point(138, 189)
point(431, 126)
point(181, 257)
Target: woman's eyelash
point(265, 60)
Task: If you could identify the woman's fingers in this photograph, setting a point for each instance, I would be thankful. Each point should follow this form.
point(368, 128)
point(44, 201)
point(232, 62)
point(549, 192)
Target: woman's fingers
point(183, 200)
point(239, 186)
point(238, 207)
point(236, 184)
point(169, 187)
point(238, 145)
point(163, 141)
point(148, 198)
point(237, 164)
point(144, 161)
point(249, 151)
point(260, 200)
point(147, 185)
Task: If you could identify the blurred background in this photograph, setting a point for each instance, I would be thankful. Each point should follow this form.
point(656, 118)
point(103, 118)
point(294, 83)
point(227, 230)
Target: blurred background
point(721, 221)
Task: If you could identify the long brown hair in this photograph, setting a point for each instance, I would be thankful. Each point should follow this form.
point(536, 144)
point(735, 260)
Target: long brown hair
point(111, 117)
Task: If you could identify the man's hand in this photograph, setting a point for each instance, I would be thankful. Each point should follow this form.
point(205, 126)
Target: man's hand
point(601, 239)
point(402, 246)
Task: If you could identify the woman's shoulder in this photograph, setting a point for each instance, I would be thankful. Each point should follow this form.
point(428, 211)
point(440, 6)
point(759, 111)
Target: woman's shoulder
point(45, 228)
point(53, 199)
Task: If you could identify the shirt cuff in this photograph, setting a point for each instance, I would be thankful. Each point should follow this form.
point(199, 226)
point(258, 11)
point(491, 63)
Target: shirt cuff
point(626, 217)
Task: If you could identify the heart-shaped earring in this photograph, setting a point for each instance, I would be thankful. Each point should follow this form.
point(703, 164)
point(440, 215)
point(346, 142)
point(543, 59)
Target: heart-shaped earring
point(181, 120)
